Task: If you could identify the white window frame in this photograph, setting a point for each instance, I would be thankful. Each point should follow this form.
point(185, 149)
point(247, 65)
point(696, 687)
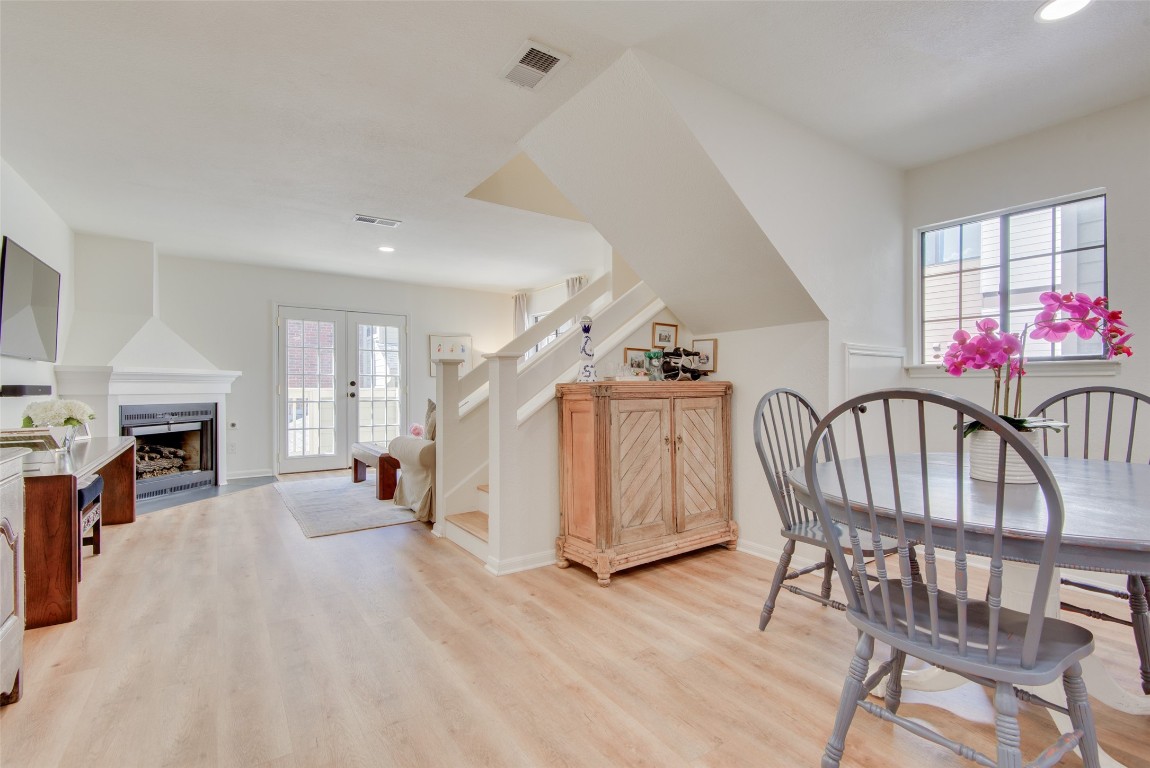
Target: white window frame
point(535, 319)
point(920, 368)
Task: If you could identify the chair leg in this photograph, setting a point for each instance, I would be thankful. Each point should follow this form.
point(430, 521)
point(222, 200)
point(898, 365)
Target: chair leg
point(1081, 717)
point(1138, 587)
point(828, 571)
point(777, 583)
point(893, 695)
point(915, 570)
point(853, 690)
point(1006, 726)
point(96, 537)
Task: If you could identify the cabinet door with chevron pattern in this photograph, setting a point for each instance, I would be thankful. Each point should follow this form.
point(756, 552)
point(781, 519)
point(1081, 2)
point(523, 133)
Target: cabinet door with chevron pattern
point(700, 462)
point(641, 469)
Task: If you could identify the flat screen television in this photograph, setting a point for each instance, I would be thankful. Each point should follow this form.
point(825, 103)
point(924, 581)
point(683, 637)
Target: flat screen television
point(29, 305)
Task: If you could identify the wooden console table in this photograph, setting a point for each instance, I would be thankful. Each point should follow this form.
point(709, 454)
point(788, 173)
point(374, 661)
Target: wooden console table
point(52, 521)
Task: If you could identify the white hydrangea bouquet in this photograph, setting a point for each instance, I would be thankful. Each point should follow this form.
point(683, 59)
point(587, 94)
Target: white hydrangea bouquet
point(57, 413)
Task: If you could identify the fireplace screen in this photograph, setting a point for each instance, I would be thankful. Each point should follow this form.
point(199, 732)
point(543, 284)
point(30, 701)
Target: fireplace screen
point(174, 446)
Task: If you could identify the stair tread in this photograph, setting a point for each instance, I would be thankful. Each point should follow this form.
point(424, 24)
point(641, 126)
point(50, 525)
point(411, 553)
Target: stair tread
point(484, 488)
point(474, 522)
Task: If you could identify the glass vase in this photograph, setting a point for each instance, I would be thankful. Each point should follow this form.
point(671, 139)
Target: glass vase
point(69, 439)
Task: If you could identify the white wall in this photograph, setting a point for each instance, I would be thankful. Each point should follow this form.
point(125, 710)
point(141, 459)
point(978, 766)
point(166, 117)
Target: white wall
point(834, 215)
point(27, 219)
point(225, 311)
point(1110, 150)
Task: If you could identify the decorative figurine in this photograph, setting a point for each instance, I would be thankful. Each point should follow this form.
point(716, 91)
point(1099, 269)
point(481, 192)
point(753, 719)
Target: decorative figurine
point(586, 353)
point(654, 363)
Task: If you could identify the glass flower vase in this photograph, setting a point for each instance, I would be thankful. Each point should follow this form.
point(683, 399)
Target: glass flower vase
point(69, 439)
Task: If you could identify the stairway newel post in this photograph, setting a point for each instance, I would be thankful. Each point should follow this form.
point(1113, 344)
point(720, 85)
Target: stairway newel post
point(503, 408)
point(446, 421)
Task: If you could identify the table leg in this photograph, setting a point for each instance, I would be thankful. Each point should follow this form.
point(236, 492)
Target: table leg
point(1138, 586)
point(358, 471)
point(385, 488)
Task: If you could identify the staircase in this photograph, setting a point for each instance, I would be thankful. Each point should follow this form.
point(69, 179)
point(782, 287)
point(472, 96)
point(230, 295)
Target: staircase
point(497, 458)
point(469, 529)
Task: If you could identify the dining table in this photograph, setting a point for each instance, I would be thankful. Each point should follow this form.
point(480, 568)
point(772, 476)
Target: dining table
point(1105, 529)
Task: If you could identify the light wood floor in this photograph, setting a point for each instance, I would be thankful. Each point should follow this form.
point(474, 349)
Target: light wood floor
point(215, 634)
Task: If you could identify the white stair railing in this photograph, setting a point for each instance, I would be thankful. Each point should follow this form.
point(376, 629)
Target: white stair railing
point(481, 415)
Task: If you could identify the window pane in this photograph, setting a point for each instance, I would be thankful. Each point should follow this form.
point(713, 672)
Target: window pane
point(1083, 223)
point(1031, 233)
point(1059, 247)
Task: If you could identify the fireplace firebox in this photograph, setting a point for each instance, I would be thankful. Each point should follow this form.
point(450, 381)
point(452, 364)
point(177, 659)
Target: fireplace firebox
point(175, 446)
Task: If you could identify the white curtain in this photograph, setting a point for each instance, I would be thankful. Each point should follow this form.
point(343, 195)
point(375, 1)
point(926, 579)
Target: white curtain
point(520, 312)
point(575, 284)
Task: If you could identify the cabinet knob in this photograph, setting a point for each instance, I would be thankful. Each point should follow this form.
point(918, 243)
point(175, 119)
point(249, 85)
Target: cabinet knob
point(666, 439)
point(679, 440)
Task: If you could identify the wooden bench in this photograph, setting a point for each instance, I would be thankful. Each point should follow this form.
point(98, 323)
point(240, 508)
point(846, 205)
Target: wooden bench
point(375, 455)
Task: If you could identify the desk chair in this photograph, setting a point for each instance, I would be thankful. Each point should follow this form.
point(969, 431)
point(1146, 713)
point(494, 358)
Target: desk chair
point(784, 421)
point(1103, 424)
point(89, 491)
point(978, 639)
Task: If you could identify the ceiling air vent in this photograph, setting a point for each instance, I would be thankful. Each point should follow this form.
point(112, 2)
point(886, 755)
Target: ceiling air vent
point(534, 65)
point(376, 220)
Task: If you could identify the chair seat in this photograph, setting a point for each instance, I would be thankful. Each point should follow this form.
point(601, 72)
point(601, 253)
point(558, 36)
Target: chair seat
point(812, 533)
point(88, 490)
point(1062, 643)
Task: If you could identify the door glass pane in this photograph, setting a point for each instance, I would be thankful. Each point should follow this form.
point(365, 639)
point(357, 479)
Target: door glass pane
point(310, 360)
point(378, 392)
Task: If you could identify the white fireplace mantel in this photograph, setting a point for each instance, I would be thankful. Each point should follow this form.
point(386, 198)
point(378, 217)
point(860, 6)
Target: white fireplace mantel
point(106, 388)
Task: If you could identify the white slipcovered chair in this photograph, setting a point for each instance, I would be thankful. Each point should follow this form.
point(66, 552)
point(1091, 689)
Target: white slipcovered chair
point(416, 457)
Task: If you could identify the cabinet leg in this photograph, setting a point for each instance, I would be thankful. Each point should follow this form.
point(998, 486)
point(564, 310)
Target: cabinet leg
point(604, 579)
point(563, 563)
point(13, 695)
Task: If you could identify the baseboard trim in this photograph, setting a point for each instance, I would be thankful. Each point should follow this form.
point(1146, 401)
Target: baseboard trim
point(249, 473)
point(517, 564)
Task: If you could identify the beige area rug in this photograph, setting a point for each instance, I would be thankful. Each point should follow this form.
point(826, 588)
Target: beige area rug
point(328, 505)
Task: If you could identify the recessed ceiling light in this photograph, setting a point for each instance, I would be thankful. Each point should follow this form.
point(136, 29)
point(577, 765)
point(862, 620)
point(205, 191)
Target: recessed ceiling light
point(1053, 10)
point(386, 248)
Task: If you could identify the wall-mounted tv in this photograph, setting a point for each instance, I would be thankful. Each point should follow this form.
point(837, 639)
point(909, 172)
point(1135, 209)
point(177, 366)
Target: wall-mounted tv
point(29, 305)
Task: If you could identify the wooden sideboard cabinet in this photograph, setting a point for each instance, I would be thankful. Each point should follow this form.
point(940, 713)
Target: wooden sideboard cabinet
point(645, 472)
point(52, 522)
point(11, 572)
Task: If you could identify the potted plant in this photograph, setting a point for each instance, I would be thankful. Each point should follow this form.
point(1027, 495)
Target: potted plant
point(1005, 355)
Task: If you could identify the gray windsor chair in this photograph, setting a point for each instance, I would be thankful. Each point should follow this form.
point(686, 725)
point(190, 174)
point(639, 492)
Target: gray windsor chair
point(784, 421)
point(881, 477)
point(1105, 419)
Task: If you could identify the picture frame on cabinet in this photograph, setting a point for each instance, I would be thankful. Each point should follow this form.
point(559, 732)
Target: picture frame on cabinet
point(664, 335)
point(634, 359)
point(449, 347)
point(708, 350)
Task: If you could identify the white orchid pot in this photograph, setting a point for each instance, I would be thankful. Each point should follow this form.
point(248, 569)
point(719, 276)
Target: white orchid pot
point(983, 449)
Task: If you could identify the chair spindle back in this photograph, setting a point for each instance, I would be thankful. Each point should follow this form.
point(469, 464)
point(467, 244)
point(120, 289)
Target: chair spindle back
point(1103, 424)
point(898, 458)
point(784, 422)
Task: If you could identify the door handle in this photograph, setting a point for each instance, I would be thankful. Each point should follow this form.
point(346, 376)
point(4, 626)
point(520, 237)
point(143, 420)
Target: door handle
point(351, 383)
point(351, 394)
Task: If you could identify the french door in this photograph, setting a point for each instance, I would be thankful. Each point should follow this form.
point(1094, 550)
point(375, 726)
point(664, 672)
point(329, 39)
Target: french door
point(342, 380)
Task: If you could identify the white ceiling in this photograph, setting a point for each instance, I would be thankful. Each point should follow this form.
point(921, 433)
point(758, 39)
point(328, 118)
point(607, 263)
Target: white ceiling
point(253, 131)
